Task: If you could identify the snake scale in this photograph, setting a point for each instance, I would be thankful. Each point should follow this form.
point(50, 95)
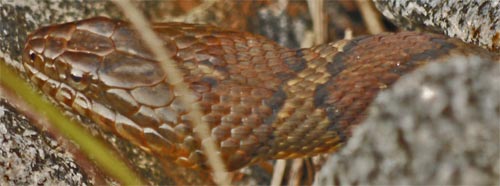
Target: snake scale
point(261, 100)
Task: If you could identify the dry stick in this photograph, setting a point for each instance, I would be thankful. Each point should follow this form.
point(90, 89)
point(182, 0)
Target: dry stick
point(296, 172)
point(319, 22)
point(310, 173)
point(279, 171)
point(174, 77)
point(370, 16)
point(348, 34)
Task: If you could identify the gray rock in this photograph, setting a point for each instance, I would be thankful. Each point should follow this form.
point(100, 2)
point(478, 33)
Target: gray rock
point(439, 125)
point(474, 21)
point(28, 157)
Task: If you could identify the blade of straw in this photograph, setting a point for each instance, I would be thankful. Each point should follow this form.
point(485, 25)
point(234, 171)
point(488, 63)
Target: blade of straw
point(174, 77)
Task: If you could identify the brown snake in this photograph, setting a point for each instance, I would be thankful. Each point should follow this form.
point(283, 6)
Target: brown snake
point(261, 100)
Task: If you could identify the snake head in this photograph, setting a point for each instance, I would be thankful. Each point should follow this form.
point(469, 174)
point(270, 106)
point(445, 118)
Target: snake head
point(99, 68)
point(96, 51)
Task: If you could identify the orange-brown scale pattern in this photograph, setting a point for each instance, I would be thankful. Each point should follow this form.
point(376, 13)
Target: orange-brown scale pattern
point(260, 100)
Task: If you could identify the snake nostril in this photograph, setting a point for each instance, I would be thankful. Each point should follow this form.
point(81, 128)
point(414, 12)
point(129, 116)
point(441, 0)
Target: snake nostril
point(32, 55)
point(75, 78)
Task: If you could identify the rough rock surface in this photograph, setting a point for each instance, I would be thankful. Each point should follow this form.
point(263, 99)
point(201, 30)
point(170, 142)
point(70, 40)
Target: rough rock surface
point(474, 21)
point(30, 158)
point(437, 126)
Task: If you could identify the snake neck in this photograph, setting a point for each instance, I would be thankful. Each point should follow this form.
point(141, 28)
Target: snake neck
point(330, 94)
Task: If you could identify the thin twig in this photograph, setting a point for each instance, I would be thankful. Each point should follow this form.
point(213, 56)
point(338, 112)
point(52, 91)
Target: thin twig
point(296, 172)
point(279, 171)
point(174, 77)
point(319, 21)
point(370, 16)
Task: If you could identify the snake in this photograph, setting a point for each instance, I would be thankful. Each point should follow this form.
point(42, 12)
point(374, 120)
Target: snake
point(260, 100)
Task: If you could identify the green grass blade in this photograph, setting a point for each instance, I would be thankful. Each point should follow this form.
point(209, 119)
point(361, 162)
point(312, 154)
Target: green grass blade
point(94, 148)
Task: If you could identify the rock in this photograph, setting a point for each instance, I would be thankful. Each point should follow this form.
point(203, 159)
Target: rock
point(475, 21)
point(437, 126)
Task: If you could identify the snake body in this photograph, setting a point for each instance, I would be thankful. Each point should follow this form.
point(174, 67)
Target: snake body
point(261, 100)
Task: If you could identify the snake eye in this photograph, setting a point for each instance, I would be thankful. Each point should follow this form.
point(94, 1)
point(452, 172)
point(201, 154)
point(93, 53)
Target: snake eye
point(76, 76)
point(78, 79)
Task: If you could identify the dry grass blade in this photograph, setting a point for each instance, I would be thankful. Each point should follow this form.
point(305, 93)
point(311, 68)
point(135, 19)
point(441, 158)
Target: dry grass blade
point(370, 16)
point(319, 21)
point(296, 172)
point(279, 172)
point(174, 77)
